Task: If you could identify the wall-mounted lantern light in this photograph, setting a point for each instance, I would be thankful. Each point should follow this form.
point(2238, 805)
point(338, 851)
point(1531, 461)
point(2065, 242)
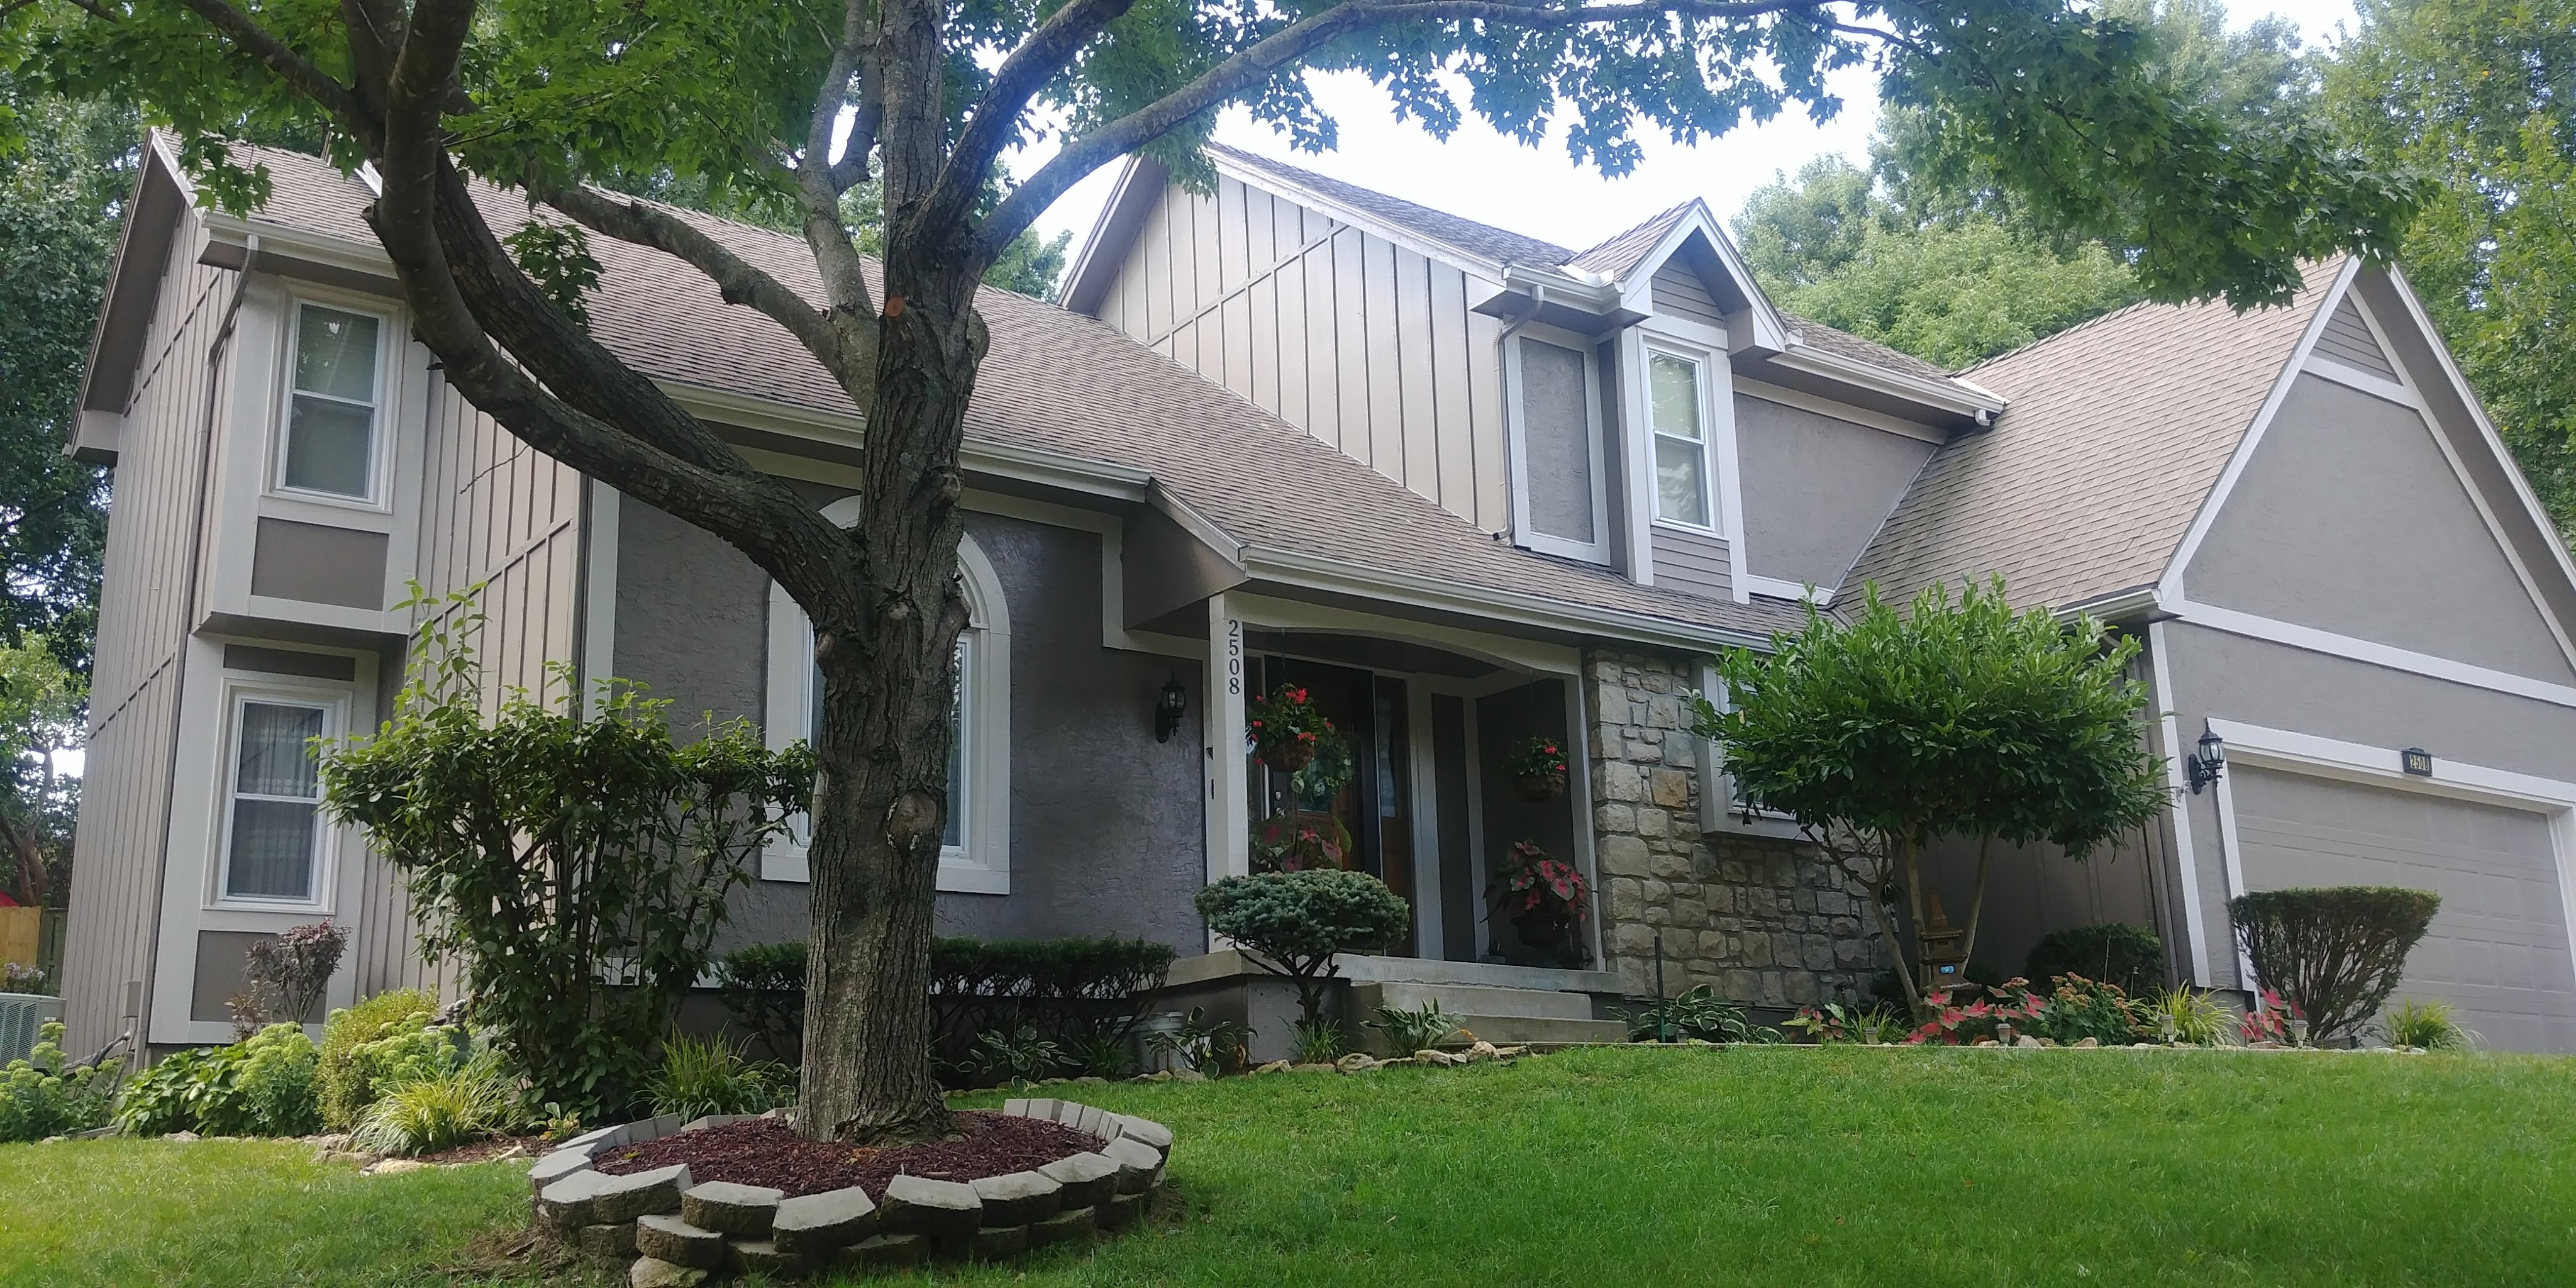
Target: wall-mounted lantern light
point(1169, 709)
point(2205, 765)
point(2416, 761)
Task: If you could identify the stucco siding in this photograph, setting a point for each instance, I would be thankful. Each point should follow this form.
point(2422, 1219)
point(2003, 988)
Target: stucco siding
point(692, 617)
point(1366, 345)
point(144, 618)
point(2349, 519)
point(1815, 488)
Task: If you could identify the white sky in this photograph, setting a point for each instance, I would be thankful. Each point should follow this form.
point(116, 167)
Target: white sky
point(1538, 191)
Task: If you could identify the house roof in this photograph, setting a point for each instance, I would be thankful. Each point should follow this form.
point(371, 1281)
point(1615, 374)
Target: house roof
point(1064, 385)
point(1809, 331)
point(1477, 241)
point(2117, 431)
point(1620, 255)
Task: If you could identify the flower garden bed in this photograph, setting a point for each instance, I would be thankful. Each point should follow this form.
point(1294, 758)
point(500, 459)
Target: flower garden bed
point(690, 1202)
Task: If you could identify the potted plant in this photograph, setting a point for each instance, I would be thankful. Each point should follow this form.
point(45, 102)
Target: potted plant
point(1284, 728)
point(1537, 769)
point(1543, 895)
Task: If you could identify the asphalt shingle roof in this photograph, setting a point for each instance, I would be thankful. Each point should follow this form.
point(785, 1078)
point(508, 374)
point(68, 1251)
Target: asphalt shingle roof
point(1064, 384)
point(2117, 430)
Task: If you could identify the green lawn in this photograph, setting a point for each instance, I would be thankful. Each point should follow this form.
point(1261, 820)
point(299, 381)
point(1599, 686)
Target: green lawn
point(1773, 1166)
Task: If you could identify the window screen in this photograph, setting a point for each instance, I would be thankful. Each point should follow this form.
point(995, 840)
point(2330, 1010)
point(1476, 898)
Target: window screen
point(1556, 440)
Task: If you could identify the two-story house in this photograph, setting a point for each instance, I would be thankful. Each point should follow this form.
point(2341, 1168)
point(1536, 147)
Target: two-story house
point(1465, 486)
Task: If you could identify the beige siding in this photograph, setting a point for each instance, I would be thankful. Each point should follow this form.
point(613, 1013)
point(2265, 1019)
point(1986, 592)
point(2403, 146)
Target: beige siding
point(2347, 340)
point(497, 512)
point(1678, 291)
point(144, 619)
point(1692, 562)
point(1365, 345)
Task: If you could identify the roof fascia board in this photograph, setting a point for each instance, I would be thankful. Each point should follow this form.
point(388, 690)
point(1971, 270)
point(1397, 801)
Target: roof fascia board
point(1823, 406)
point(2169, 586)
point(1104, 250)
point(1314, 572)
point(158, 181)
point(277, 239)
point(2459, 383)
point(1940, 395)
point(1429, 248)
point(1769, 331)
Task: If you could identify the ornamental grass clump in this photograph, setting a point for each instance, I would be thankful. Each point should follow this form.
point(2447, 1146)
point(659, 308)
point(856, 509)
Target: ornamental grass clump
point(381, 1042)
point(465, 1103)
point(699, 1076)
point(2335, 954)
point(2425, 1026)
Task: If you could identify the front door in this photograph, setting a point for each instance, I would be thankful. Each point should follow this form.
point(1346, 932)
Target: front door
point(1375, 806)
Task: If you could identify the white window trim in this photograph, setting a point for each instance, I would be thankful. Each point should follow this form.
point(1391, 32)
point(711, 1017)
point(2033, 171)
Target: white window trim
point(334, 704)
point(983, 864)
point(1718, 812)
point(1654, 346)
point(1684, 338)
point(1524, 533)
point(388, 397)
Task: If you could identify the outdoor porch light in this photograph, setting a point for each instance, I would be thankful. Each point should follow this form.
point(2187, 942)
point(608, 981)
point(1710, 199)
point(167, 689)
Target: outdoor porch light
point(1169, 709)
point(2416, 761)
point(2204, 766)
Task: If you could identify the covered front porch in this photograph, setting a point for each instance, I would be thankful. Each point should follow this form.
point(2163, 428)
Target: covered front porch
point(1432, 713)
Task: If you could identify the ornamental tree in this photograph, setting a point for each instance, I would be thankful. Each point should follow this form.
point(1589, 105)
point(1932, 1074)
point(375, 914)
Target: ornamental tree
point(1949, 719)
point(788, 107)
point(1295, 923)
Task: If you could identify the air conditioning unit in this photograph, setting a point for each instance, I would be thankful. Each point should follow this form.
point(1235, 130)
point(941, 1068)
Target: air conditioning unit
point(21, 1014)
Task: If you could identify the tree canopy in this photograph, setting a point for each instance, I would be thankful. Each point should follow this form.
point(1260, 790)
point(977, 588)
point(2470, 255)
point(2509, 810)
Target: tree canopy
point(2481, 95)
point(785, 109)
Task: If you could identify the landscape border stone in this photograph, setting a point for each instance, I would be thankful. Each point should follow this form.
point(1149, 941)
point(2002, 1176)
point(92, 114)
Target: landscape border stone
point(717, 1226)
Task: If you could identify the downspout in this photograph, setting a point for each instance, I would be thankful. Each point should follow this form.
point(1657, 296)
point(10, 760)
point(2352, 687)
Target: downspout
point(215, 351)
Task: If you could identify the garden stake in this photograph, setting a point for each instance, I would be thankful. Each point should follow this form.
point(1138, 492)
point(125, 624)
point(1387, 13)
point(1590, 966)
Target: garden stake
point(1663, 1008)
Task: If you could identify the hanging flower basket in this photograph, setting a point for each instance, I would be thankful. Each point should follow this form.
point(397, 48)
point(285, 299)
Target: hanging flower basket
point(1287, 755)
point(1284, 728)
point(1538, 769)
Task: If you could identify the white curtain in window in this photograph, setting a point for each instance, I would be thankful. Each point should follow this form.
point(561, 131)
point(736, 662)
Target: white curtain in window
point(276, 801)
point(1681, 448)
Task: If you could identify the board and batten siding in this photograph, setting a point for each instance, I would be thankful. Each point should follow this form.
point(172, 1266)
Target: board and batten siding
point(1692, 562)
point(1362, 343)
point(154, 547)
point(500, 513)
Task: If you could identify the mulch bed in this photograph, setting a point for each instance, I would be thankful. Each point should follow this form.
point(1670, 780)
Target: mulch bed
point(475, 1151)
point(765, 1151)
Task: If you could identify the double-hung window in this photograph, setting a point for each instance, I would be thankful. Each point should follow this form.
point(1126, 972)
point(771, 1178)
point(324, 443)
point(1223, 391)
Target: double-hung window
point(273, 830)
point(334, 403)
point(1676, 407)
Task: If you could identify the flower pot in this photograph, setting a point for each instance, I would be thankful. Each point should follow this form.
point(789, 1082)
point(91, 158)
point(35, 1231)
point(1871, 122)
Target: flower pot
point(1542, 927)
point(1539, 787)
point(1288, 757)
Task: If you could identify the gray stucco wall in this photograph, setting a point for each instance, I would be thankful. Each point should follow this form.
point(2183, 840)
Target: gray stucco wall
point(1815, 488)
point(2234, 678)
point(1105, 822)
point(2349, 519)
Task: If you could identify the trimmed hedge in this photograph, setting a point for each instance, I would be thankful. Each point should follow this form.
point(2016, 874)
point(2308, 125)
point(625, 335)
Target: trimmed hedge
point(2113, 952)
point(1085, 995)
point(2335, 953)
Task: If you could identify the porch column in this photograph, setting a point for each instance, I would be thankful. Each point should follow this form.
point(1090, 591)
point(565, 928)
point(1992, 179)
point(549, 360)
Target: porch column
point(1228, 828)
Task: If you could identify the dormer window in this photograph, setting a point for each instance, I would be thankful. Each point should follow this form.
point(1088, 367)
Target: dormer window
point(1559, 483)
point(1676, 400)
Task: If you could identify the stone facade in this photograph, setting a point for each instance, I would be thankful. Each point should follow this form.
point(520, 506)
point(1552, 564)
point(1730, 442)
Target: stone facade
point(1760, 920)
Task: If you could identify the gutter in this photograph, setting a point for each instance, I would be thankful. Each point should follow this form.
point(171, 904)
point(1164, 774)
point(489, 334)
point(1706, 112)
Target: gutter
point(1316, 572)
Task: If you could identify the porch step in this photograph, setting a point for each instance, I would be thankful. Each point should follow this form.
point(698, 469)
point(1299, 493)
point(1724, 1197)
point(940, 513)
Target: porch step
point(1471, 999)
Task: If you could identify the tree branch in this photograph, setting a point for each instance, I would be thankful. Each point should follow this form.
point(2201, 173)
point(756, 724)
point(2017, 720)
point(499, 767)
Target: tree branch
point(996, 116)
point(293, 67)
point(1220, 83)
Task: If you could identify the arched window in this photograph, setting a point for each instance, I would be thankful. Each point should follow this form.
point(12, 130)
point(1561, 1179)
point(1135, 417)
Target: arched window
point(975, 854)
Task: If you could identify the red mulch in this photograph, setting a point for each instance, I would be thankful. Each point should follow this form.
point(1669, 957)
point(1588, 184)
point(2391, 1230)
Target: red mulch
point(765, 1151)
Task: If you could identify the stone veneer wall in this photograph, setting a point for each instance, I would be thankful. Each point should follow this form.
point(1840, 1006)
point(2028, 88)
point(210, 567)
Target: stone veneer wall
point(1758, 919)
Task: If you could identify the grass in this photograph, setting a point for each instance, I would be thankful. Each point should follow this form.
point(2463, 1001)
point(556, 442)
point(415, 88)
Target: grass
point(1747, 1165)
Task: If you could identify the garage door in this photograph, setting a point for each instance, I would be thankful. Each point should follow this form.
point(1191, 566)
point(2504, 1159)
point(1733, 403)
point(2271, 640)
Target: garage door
point(2499, 946)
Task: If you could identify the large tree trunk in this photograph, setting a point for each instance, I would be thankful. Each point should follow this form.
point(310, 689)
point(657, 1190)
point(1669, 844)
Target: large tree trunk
point(888, 684)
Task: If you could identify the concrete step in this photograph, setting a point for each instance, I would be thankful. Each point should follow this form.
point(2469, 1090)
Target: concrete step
point(1472, 999)
point(1541, 1030)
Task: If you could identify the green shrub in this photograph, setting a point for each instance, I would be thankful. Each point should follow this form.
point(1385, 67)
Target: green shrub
point(39, 1097)
point(764, 986)
point(2113, 952)
point(701, 1076)
point(1018, 1055)
point(461, 1104)
point(2431, 1026)
point(1293, 923)
point(263, 1085)
point(2335, 954)
point(2185, 1017)
point(1835, 1022)
point(2080, 1008)
point(1209, 1046)
point(1414, 1029)
point(356, 1059)
point(1696, 1012)
point(1319, 1042)
point(1084, 995)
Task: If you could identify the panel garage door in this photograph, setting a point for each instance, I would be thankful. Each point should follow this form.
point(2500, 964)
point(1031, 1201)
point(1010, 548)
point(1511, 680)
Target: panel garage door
point(2499, 946)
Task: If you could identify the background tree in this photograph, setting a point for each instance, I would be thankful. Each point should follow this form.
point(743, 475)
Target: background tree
point(787, 107)
point(1949, 719)
point(41, 701)
point(1931, 251)
point(2481, 94)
